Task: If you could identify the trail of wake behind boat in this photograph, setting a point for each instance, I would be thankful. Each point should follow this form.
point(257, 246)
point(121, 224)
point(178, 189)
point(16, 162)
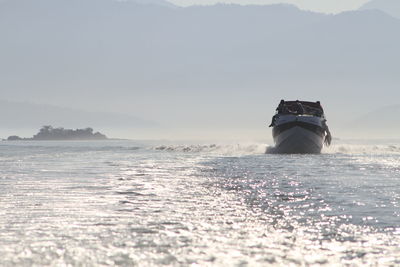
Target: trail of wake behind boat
point(199, 204)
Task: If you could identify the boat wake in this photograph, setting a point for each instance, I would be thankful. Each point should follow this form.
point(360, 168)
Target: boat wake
point(362, 149)
point(231, 149)
point(350, 149)
point(258, 149)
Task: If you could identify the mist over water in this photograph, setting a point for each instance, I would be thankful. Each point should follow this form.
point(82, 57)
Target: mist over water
point(127, 203)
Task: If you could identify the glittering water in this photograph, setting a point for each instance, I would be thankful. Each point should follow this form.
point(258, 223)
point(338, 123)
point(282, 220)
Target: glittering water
point(128, 203)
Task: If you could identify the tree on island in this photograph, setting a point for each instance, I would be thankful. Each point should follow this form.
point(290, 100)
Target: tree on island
point(14, 138)
point(47, 132)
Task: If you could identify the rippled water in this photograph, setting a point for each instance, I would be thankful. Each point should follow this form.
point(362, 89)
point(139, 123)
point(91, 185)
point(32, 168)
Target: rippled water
point(129, 203)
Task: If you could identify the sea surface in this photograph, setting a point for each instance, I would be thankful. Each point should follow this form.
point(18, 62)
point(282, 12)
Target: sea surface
point(133, 203)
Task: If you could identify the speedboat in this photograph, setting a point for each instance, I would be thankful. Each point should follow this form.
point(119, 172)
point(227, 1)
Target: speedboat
point(300, 127)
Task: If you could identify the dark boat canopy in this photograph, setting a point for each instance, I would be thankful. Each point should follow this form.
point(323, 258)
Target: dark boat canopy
point(300, 107)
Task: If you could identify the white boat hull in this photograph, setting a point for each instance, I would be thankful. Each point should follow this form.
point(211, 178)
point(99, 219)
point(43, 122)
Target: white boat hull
point(300, 127)
point(298, 140)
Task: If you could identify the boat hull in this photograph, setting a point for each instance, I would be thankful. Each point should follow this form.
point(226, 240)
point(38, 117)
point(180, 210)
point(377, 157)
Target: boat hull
point(298, 140)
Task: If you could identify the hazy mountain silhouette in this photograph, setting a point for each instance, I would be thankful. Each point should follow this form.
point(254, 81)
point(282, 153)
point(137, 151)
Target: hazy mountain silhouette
point(392, 7)
point(153, 2)
point(196, 67)
point(381, 120)
point(28, 115)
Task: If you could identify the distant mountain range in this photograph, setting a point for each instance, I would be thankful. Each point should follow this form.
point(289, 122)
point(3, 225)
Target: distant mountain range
point(196, 67)
point(153, 2)
point(27, 115)
point(391, 7)
point(384, 122)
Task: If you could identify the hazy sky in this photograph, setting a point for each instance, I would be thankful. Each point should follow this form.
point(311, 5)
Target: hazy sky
point(327, 6)
point(196, 71)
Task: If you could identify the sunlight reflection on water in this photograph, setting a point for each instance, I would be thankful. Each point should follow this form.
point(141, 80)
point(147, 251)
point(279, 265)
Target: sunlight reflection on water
point(86, 204)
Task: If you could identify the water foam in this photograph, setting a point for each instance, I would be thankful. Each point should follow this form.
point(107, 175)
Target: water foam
point(230, 149)
point(362, 149)
point(258, 148)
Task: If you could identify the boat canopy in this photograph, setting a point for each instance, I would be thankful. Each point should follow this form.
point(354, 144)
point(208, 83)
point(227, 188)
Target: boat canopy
point(300, 107)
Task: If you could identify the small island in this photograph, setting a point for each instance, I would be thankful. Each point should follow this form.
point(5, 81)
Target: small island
point(48, 133)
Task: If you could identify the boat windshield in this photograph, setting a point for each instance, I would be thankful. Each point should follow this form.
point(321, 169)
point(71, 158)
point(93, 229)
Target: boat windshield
point(300, 108)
